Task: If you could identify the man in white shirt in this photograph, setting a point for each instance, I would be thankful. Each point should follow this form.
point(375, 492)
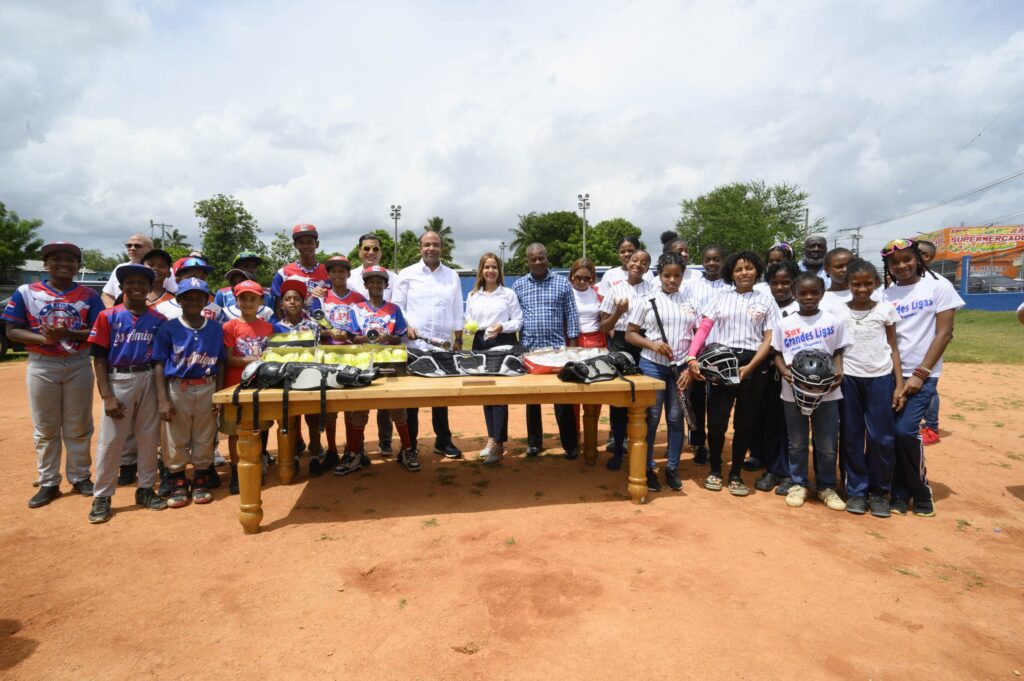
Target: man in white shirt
point(136, 246)
point(430, 296)
point(369, 254)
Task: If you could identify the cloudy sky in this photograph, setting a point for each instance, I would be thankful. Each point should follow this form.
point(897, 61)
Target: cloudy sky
point(114, 112)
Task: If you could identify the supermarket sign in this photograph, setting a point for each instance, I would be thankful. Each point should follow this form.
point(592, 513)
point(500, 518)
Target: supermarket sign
point(952, 243)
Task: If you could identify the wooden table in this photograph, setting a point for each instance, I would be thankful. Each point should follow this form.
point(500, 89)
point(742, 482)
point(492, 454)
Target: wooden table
point(455, 391)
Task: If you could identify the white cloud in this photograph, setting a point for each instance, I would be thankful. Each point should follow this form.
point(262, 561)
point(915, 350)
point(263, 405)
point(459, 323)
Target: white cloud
point(329, 113)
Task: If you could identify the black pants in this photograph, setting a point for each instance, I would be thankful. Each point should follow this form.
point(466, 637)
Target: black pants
point(438, 419)
point(384, 426)
point(495, 416)
point(769, 442)
point(566, 420)
point(698, 402)
point(618, 417)
point(747, 397)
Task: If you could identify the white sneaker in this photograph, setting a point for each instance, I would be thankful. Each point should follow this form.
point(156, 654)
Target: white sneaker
point(218, 458)
point(494, 456)
point(486, 451)
point(796, 496)
point(831, 499)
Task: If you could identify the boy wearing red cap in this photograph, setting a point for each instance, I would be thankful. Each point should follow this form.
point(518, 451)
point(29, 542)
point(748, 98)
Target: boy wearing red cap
point(338, 303)
point(245, 339)
point(306, 269)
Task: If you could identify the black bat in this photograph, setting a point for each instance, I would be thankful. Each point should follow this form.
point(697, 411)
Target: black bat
point(691, 419)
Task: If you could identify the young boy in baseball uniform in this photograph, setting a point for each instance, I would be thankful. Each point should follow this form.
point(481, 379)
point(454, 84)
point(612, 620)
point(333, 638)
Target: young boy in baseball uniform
point(52, 318)
point(122, 355)
point(191, 350)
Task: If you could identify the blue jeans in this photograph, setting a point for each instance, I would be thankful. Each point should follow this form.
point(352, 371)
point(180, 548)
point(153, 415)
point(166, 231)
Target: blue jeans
point(868, 418)
point(931, 415)
point(825, 422)
point(910, 479)
point(673, 413)
point(496, 420)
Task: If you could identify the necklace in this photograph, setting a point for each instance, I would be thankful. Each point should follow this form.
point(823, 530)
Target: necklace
point(859, 320)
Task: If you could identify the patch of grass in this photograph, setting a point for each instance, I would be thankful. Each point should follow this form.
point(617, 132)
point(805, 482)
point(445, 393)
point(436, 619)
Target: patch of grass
point(999, 424)
point(521, 440)
point(402, 603)
point(477, 492)
point(369, 511)
point(604, 420)
point(481, 483)
point(511, 541)
point(327, 537)
point(928, 550)
point(998, 464)
point(1015, 456)
point(943, 577)
point(538, 494)
point(432, 522)
point(875, 534)
point(986, 337)
point(956, 417)
point(962, 525)
point(906, 571)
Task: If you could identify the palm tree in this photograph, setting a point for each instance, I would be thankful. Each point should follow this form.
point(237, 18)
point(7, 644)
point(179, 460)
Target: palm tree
point(173, 239)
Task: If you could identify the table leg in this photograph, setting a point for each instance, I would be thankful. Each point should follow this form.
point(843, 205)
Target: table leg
point(286, 453)
point(590, 413)
point(251, 511)
point(637, 430)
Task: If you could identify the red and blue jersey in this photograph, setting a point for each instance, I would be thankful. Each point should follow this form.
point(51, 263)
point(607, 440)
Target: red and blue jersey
point(126, 339)
point(340, 311)
point(387, 318)
point(304, 324)
point(225, 298)
point(317, 276)
point(231, 312)
point(187, 352)
point(171, 309)
point(38, 303)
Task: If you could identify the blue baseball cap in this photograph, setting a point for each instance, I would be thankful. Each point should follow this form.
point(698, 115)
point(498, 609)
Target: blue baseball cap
point(192, 284)
point(192, 263)
point(123, 271)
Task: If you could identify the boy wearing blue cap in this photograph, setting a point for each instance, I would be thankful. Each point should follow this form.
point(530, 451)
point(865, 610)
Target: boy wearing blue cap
point(191, 349)
point(121, 344)
point(190, 268)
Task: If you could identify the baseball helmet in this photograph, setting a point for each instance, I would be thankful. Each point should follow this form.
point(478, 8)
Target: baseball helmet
point(719, 364)
point(813, 375)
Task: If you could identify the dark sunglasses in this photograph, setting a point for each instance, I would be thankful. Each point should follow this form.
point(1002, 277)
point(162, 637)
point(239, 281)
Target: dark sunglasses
point(371, 249)
point(134, 245)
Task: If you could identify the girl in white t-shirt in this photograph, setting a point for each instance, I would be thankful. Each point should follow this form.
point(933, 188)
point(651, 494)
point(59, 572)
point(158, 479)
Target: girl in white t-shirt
point(625, 248)
point(811, 328)
point(872, 387)
point(925, 308)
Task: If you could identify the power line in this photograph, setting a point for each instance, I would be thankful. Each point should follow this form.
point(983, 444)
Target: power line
point(989, 124)
point(971, 192)
point(993, 221)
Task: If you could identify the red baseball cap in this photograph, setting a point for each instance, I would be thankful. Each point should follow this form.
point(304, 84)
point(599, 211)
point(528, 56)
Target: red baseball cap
point(61, 247)
point(374, 271)
point(336, 260)
point(303, 229)
point(297, 285)
point(248, 286)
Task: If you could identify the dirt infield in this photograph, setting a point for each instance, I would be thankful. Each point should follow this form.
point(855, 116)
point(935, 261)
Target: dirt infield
point(534, 570)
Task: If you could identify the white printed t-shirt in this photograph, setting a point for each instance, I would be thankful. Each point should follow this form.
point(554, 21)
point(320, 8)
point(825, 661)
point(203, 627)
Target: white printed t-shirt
point(823, 331)
point(869, 356)
point(917, 306)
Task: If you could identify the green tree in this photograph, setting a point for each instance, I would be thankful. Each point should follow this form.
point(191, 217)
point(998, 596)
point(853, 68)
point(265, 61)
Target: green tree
point(227, 228)
point(555, 230)
point(602, 240)
point(280, 253)
point(18, 240)
point(173, 239)
point(436, 224)
point(408, 249)
point(97, 261)
point(747, 215)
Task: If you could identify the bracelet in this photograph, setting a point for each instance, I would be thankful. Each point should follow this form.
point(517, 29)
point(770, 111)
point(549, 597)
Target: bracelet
point(922, 373)
point(689, 359)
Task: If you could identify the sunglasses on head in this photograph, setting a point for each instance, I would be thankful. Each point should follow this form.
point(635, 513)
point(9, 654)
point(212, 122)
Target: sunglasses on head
point(371, 249)
point(897, 245)
point(782, 246)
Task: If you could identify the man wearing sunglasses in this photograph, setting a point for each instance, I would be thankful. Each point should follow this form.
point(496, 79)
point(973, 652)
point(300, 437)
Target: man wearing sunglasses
point(369, 255)
point(136, 246)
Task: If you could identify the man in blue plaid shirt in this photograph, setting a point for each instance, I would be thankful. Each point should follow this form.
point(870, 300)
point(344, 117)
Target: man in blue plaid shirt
point(549, 320)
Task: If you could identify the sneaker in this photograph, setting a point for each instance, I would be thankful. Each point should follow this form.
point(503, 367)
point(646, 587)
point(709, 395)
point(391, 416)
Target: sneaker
point(652, 481)
point(352, 462)
point(218, 458)
point(201, 493)
point(857, 505)
point(497, 451)
point(752, 464)
point(898, 506)
point(486, 451)
point(45, 495)
point(767, 482)
point(930, 436)
point(831, 499)
point(614, 463)
point(410, 459)
point(331, 459)
point(316, 465)
point(449, 450)
point(572, 454)
point(179, 495)
point(533, 452)
point(784, 486)
point(672, 479)
point(925, 508)
point(100, 512)
point(126, 475)
point(147, 498)
point(700, 455)
point(878, 504)
point(385, 449)
point(796, 496)
point(213, 477)
point(83, 487)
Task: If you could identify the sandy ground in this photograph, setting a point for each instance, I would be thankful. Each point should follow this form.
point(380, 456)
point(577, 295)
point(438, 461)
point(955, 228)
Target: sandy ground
point(533, 570)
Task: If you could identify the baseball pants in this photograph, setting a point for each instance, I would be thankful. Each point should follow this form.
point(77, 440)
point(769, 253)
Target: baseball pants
point(194, 426)
point(137, 393)
point(60, 398)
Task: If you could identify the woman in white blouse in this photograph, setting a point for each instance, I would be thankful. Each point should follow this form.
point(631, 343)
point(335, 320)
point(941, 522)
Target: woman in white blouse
point(495, 309)
point(583, 277)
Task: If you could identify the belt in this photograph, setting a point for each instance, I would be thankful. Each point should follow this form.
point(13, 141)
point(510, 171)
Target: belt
point(194, 381)
point(138, 368)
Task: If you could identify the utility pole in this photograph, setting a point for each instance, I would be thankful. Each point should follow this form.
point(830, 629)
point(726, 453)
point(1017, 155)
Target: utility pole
point(584, 204)
point(162, 226)
point(501, 247)
point(396, 215)
point(855, 237)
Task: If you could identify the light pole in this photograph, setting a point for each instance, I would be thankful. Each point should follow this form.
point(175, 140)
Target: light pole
point(501, 248)
point(584, 204)
point(396, 215)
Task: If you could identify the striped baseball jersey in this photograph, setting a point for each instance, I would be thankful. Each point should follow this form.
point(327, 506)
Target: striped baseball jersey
point(387, 318)
point(316, 276)
point(38, 303)
point(622, 290)
point(680, 316)
point(126, 340)
point(741, 319)
point(340, 311)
